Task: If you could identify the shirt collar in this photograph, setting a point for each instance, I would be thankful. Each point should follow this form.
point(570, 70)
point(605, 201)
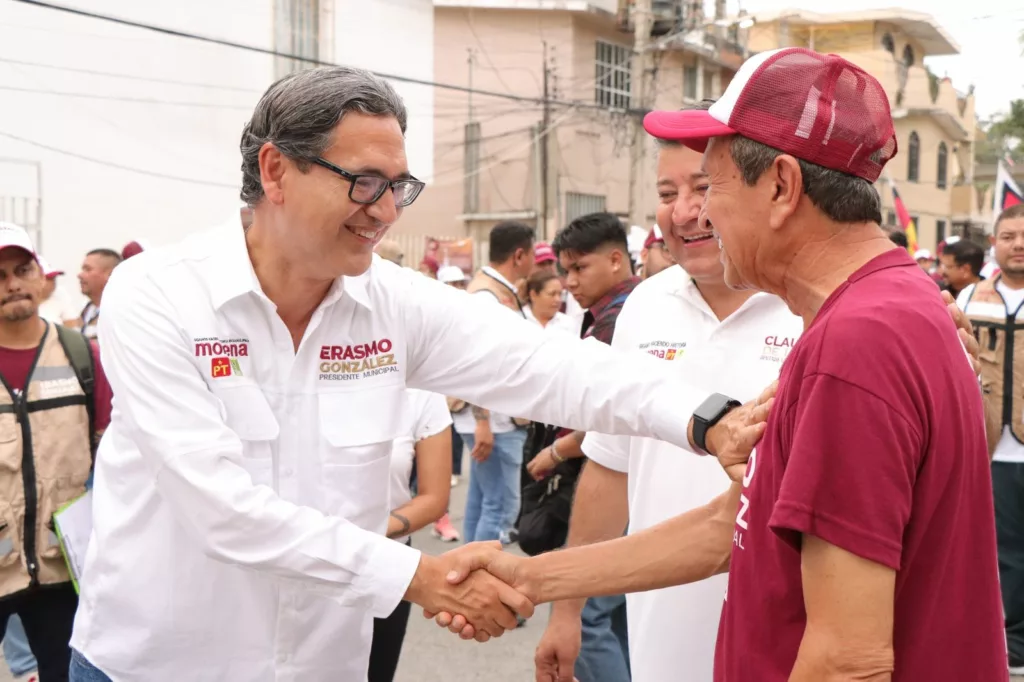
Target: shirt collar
point(498, 276)
point(625, 285)
point(232, 276)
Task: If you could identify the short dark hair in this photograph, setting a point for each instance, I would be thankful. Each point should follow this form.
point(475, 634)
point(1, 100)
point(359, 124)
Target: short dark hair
point(507, 237)
point(842, 197)
point(591, 232)
point(899, 238)
point(965, 252)
point(1015, 211)
point(702, 105)
point(106, 253)
point(536, 282)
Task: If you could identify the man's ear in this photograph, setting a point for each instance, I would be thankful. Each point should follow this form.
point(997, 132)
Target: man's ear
point(787, 186)
point(272, 169)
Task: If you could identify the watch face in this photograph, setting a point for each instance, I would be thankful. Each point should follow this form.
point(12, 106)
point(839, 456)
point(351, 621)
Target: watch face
point(714, 407)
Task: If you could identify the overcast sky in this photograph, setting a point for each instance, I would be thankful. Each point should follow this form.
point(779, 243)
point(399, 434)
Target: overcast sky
point(987, 31)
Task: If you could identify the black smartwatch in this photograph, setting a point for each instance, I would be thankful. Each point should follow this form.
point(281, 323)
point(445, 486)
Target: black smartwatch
point(708, 414)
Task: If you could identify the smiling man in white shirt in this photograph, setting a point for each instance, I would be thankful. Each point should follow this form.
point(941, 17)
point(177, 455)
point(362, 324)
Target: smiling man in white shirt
point(241, 494)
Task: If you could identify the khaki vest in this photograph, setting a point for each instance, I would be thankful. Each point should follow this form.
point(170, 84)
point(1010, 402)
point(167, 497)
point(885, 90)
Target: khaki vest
point(45, 461)
point(484, 282)
point(1002, 364)
point(508, 298)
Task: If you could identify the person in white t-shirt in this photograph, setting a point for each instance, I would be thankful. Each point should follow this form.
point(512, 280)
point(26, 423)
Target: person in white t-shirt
point(420, 473)
point(544, 292)
point(741, 338)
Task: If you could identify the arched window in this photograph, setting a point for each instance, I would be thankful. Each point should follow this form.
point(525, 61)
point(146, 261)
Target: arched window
point(943, 162)
point(913, 157)
point(908, 55)
point(889, 44)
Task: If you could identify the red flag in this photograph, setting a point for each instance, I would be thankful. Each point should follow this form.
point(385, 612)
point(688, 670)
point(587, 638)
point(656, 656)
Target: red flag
point(906, 222)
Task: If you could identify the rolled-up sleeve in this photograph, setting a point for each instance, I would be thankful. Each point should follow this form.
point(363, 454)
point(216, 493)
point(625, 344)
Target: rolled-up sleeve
point(463, 346)
point(164, 407)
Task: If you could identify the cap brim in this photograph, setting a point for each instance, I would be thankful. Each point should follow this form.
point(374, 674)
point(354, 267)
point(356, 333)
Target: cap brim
point(691, 128)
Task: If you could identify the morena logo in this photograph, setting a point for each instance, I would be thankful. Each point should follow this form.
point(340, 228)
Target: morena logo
point(233, 350)
point(357, 351)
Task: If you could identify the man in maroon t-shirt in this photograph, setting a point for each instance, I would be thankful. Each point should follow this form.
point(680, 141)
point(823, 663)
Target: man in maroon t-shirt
point(46, 451)
point(864, 544)
point(862, 533)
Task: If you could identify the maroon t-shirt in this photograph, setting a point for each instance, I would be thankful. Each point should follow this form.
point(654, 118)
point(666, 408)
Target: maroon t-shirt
point(872, 450)
point(16, 362)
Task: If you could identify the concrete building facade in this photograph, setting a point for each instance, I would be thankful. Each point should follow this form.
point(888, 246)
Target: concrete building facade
point(501, 159)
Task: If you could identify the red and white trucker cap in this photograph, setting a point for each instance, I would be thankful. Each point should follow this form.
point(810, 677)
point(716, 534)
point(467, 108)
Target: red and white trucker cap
point(819, 108)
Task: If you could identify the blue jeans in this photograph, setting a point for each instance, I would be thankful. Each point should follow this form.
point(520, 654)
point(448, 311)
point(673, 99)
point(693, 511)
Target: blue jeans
point(16, 650)
point(457, 446)
point(84, 671)
point(492, 502)
point(604, 655)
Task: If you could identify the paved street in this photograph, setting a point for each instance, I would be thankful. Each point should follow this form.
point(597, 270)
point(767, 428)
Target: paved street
point(435, 655)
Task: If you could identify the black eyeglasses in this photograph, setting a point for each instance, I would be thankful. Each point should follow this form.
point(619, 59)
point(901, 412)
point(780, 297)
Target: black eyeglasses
point(367, 189)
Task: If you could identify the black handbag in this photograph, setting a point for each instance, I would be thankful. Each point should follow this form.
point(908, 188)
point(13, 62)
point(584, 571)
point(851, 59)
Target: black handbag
point(546, 504)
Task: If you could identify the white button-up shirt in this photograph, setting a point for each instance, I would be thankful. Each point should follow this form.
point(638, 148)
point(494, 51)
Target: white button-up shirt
point(241, 490)
point(672, 632)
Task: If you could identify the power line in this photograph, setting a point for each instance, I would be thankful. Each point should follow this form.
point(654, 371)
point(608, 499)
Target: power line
point(128, 76)
point(113, 164)
point(300, 58)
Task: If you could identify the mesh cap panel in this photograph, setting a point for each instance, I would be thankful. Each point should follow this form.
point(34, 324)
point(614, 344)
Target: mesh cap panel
point(819, 108)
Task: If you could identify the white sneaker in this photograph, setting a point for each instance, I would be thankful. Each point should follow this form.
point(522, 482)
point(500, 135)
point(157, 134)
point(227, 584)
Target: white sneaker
point(1017, 669)
point(455, 480)
point(28, 677)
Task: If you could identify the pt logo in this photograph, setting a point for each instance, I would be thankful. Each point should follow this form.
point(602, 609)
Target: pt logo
point(220, 367)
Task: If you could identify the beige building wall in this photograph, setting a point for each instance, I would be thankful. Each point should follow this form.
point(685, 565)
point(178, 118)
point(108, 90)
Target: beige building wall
point(588, 148)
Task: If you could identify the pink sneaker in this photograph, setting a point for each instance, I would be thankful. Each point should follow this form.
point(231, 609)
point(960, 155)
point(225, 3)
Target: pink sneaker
point(444, 530)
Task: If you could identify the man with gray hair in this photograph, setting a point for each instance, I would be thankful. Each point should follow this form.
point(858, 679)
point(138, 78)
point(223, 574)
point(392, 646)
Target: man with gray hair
point(241, 493)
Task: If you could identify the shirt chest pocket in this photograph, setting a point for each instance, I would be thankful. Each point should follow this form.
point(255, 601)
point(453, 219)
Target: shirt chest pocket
point(356, 432)
point(248, 414)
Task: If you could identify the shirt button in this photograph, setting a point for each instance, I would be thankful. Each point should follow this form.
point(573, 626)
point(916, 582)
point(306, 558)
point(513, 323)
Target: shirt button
point(288, 473)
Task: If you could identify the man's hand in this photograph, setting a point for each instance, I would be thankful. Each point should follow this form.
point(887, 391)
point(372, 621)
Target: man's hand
point(483, 441)
point(473, 560)
point(733, 438)
point(965, 329)
point(486, 605)
point(542, 465)
point(555, 658)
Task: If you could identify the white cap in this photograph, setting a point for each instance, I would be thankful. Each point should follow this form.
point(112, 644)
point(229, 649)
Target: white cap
point(922, 253)
point(451, 273)
point(16, 236)
point(952, 239)
point(48, 272)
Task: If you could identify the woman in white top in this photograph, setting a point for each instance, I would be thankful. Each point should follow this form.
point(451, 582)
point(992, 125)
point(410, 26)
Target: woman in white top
point(544, 290)
point(421, 470)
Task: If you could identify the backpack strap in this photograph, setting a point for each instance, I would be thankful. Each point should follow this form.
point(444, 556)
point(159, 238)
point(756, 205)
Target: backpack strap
point(79, 353)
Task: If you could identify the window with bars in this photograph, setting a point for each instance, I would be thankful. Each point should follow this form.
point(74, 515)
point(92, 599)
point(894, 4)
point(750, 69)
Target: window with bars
point(943, 163)
point(709, 84)
point(577, 205)
point(296, 32)
point(913, 158)
point(690, 82)
point(612, 75)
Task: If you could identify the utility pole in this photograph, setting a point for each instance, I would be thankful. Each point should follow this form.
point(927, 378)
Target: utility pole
point(643, 20)
point(544, 149)
point(471, 148)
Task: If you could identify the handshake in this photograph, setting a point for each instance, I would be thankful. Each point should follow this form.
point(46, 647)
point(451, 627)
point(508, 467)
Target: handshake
point(475, 591)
